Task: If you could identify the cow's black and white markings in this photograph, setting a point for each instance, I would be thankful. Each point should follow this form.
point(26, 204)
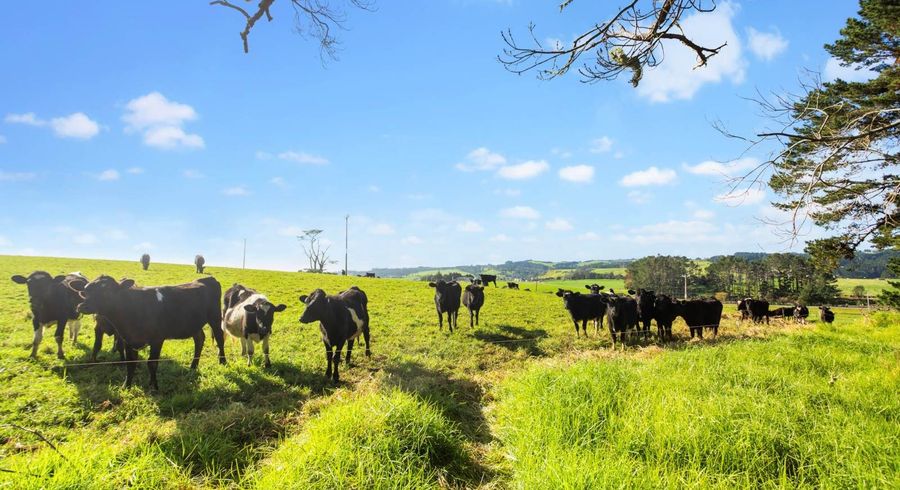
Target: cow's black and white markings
point(52, 302)
point(342, 318)
point(801, 313)
point(248, 316)
point(755, 309)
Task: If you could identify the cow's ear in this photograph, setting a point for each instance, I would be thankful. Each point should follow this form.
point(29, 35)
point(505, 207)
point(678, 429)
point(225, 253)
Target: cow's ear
point(560, 293)
point(587, 286)
point(602, 288)
point(631, 291)
point(58, 279)
point(250, 308)
point(19, 279)
point(431, 284)
point(280, 307)
point(126, 283)
point(303, 298)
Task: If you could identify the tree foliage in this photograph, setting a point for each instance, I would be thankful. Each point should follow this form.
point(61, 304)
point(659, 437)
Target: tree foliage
point(316, 252)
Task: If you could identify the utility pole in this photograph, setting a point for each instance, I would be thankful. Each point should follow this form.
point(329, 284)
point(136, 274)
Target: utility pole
point(244, 260)
point(685, 285)
point(346, 241)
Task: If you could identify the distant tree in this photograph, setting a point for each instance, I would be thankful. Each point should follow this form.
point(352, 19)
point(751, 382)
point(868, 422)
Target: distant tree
point(836, 156)
point(627, 41)
point(318, 18)
point(316, 253)
point(661, 273)
point(891, 297)
point(859, 292)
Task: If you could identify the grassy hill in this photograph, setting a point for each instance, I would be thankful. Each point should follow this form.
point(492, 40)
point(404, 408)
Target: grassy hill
point(517, 402)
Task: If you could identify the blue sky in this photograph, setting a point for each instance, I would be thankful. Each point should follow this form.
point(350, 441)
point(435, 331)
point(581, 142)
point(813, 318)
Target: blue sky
point(142, 126)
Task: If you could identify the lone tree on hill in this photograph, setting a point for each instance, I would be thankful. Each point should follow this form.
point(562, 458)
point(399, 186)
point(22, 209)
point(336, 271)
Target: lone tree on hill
point(311, 243)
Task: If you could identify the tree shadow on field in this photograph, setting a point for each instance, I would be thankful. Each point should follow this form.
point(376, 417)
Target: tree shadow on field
point(515, 339)
point(460, 400)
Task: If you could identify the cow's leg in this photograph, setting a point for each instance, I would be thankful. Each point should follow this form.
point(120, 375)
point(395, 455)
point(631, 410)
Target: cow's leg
point(366, 337)
point(60, 333)
point(584, 326)
point(219, 335)
point(440, 320)
point(577, 333)
point(328, 356)
point(249, 351)
point(471, 318)
point(477, 314)
point(74, 328)
point(265, 345)
point(199, 337)
point(120, 347)
point(38, 335)
point(153, 363)
point(131, 364)
point(243, 346)
point(336, 359)
point(349, 351)
point(98, 342)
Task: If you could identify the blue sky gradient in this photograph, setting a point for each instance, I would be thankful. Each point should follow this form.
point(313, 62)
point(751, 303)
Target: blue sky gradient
point(133, 127)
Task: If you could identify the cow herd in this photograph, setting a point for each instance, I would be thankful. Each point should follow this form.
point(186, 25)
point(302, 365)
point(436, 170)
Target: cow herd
point(138, 317)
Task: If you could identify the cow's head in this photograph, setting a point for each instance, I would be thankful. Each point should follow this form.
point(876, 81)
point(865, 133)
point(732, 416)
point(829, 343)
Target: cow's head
point(99, 293)
point(475, 288)
point(594, 288)
point(442, 287)
point(316, 306)
point(40, 284)
point(261, 316)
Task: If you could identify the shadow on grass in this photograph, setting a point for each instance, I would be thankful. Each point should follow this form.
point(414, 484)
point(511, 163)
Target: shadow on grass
point(515, 339)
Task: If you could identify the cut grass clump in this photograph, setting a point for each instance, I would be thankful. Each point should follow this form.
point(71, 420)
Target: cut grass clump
point(817, 410)
point(375, 440)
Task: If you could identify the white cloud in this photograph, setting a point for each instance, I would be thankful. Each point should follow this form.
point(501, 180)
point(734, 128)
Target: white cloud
point(381, 229)
point(589, 237)
point(161, 122)
point(672, 231)
point(723, 169)
point(834, 70)
point(676, 78)
point(558, 224)
point(481, 159)
point(302, 158)
point(143, 247)
point(279, 182)
point(236, 191)
point(742, 197)
point(601, 145)
point(766, 45)
point(190, 173)
point(469, 226)
point(135, 170)
point(577, 173)
point(108, 175)
point(704, 214)
point(85, 239)
point(16, 176)
point(412, 240)
point(28, 118)
point(499, 238)
point(524, 170)
point(520, 212)
point(639, 197)
point(76, 125)
point(651, 176)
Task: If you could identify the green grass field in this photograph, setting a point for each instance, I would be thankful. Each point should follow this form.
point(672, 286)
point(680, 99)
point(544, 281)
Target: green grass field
point(517, 402)
point(874, 287)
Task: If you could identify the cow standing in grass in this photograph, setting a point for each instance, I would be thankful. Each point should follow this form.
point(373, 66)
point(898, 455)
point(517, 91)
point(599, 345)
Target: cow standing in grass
point(664, 312)
point(145, 261)
point(342, 318)
point(621, 316)
point(700, 314)
point(646, 310)
point(826, 315)
point(446, 300)
point(583, 308)
point(248, 316)
point(144, 316)
point(52, 302)
point(756, 309)
point(199, 263)
point(473, 299)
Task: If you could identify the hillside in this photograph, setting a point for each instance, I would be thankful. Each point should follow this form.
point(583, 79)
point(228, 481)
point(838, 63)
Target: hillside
point(517, 402)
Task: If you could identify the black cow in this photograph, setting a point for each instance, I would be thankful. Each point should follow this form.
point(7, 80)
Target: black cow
point(664, 312)
point(756, 309)
point(342, 317)
point(781, 312)
point(104, 327)
point(145, 261)
point(52, 302)
point(700, 314)
point(473, 299)
point(594, 288)
point(148, 316)
point(488, 278)
point(199, 261)
point(370, 274)
point(825, 314)
point(621, 315)
point(801, 313)
point(446, 300)
point(646, 311)
point(512, 285)
point(584, 307)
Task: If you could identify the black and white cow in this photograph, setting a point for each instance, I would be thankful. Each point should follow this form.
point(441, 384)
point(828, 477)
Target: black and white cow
point(248, 316)
point(801, 313)
point(145, 261)
point(512, 285)
point(342, 318)
point(148, 316)
point(52, 303)
point(473, 299)
point(583, 308)
point(446, 300)
point(826, 315)
point(199, 262)
point(756, 309)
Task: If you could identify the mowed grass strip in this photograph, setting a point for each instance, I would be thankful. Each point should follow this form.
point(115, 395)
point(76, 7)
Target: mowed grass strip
point(814, 409)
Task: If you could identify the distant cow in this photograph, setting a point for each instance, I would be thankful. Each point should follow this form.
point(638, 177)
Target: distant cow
point(512, 285)
point(143, 316)
point(199, 262)
point(781, 312)
point(473, 299)
point(52, 303)
point(665, 313)
point(446, 300)
point(594, 288)
point(801, 313)
point(756, 309)
point(584, 307)
point(825, 314)
point(700, 314)
point(370, 274)
point(342, 318)
point(488, 278)
point(145, 261)
point(646, 311)
point(621, 315)
point(248, 316)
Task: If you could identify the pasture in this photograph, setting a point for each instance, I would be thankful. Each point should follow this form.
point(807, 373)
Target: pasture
point(517, 402)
